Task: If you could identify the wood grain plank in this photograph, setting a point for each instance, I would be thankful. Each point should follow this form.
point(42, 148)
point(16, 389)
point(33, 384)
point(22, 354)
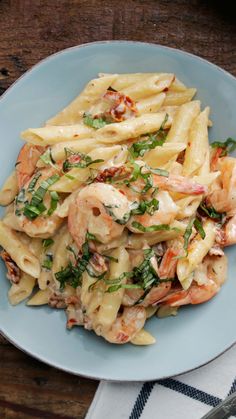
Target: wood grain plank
point(33, 388)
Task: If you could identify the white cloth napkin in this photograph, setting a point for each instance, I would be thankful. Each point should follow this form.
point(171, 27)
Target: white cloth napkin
point(187, 396)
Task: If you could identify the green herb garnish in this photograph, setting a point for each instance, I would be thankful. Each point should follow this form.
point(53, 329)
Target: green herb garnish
point(227, 146)
point(47, 263)
point(139, 148)
point(72, 274)
point(145, 206)
point(199, 227)
point(158, 227)
point(94, 122)
point(36, 207)
point(211, 212)
point(33, 182)
point(187, 235)
point(84, 160)
point(47, 243)
point(32, 212)
point(20, 197)
point(144, 276)
point(90, 236)
point(47, 158)
point(54, 200)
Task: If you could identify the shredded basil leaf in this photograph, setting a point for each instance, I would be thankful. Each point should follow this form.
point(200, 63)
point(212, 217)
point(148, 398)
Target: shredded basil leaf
point(158, 227)
point(187, 235)
point(72, 274)
point(33, 182)
point(160, 172)
point(47, 158)
point(90, 236)
point(139, 148)
point(199, 227)
point(146, 206)
point(143, 277)
point(47, 263)
point(94, 122)
point(211, 212)
point(47, 243)
point(54, 201)
point(85, 160)
point(20, 197)
point(227, 146)
point(36, 207)
point(32, 212)
point(114, 288)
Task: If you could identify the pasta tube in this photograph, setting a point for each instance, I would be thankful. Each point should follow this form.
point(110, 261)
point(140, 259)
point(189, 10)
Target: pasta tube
point(19, 292)
point(198, 249)
point(149, 86)
point(52, 135)
point(9, 190)
point(179, 131)
point(143, 338)
point(111, 301)
point(92, 92)
point(132, 128)
point(19, 252)
point(197, 149)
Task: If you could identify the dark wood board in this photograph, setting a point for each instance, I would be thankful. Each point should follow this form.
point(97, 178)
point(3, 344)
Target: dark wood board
point(33, 29)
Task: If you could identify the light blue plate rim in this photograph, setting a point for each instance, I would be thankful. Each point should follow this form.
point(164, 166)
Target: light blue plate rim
point(87, 44)
point(4, 95)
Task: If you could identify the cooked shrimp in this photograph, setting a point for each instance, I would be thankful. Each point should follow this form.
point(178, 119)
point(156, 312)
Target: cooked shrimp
point(132, 295)
point(125, 327)
point(167, 268)
point(96, 209)
point(26, 162)
point(216, 267)
point(43, 226)
point(230, 232)
point(223, 199)
point(171, 183)
point(164, 215)
point(157, 293)
point(123, 107)
point(177, 183)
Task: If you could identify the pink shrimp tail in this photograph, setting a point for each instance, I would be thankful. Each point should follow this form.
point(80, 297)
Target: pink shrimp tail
point(176, 183)
point(168, 264)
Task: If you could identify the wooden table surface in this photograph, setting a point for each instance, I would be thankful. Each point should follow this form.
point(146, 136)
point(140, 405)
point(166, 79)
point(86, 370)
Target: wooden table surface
point(33, 29)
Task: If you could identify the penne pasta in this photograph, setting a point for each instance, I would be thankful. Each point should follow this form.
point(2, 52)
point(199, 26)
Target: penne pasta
point(92, 92)
point(197, 148)
point(174, 98)
point(52, 135)
point(196, 252)
point(163, 154)
point(143, 337)
point(19, 292)
point(40, 298)
point(58, 152)
point(9, 190)
point(132, 128)
point(149, 86)
point(111, 301)
point(150, 104)
point(77, 176)
point(19, 252)
point(181, 125)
